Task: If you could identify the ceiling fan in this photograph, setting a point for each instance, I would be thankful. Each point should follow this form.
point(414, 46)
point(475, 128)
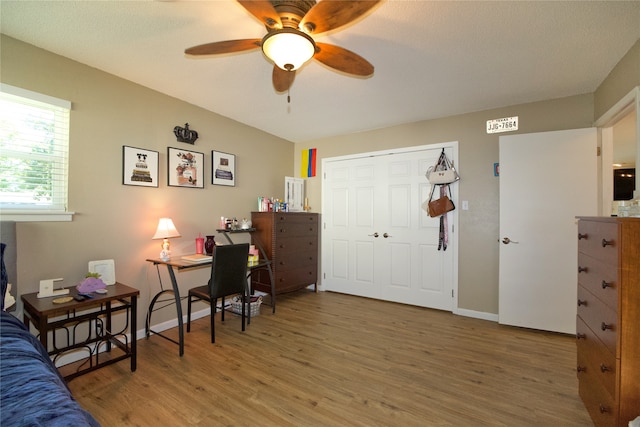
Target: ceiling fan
point(289, 43)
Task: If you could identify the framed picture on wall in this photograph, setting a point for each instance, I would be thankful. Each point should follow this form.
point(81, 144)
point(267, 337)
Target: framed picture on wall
point(223, 169)
point(185, 168)
point(139, 167)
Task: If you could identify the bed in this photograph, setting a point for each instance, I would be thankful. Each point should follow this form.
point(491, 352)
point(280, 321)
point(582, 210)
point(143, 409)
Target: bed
point(33, 393)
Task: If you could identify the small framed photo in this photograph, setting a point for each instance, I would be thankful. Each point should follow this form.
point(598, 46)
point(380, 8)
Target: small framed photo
point(223, 169)
point(139, 167)
point(185, 168)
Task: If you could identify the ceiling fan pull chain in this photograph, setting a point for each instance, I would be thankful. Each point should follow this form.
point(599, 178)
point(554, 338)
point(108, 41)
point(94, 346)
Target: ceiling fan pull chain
point(289, 95)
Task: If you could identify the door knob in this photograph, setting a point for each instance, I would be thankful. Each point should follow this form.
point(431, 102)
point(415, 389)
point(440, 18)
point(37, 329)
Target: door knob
point(507, 240)
point(374, 234)
point(385, 235)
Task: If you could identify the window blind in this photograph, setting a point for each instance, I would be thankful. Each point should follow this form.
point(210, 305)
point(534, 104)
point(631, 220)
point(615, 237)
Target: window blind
point(34, 151)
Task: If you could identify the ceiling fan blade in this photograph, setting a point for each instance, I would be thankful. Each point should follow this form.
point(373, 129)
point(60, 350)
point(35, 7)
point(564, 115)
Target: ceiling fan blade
point(329, 14)
point(228, 46)
point(343, 60)
point(264, 11)
point(282, 80)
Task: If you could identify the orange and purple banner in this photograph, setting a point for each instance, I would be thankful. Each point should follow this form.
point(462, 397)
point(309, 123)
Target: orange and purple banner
point(308, 164)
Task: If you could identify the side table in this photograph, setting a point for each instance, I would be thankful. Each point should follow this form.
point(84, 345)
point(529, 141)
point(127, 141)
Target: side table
point(94, 313)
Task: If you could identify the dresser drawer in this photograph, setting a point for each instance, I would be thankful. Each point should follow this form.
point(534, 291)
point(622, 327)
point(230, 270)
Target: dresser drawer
point(294, 245)
point(599, 403)
point(600, 318)
point(286, 280)
point(295, 260)
point(600, 278)
point(295, 218)
point(291, 279)
point(292, 229)
point(599, 240)
point(595, 357)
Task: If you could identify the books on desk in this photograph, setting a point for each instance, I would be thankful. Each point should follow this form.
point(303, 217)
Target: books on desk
point(196, 258)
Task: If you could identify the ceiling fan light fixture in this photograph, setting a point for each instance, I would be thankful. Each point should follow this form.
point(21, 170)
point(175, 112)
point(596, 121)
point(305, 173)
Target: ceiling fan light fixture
point(288, 48)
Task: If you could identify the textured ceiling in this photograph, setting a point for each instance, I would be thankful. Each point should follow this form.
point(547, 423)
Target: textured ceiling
point(432, 59)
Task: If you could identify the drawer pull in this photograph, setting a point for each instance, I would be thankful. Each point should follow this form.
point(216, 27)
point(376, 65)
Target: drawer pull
point(581, 302)
point(603, 409)
point(581, 336)
point(604, 368)
point(581, 368)
point(605, 285)
point(582, 236)
point(606, 243)
point(604, 326)
point(581, 269)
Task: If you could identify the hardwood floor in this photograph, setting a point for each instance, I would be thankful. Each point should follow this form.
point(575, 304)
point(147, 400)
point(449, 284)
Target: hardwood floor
point(328, 359)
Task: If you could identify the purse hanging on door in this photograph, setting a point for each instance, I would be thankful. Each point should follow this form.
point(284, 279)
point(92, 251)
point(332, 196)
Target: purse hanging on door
point(441, 206)
point(443, 171)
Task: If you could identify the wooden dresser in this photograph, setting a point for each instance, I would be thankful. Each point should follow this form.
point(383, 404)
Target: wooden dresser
point(290, 240)
point(608, 321)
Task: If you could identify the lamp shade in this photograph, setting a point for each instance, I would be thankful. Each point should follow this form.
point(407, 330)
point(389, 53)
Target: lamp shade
point(288, 48)
point(166, 229)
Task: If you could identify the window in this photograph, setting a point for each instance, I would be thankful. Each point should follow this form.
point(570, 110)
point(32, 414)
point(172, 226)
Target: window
point(34, 155)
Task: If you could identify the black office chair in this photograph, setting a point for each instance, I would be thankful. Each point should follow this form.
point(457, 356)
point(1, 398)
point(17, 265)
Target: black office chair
point(228, 277)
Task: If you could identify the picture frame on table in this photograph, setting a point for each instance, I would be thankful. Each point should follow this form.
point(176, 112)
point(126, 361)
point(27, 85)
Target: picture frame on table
point(223, 168)
point(185, 168)
point(139, 167)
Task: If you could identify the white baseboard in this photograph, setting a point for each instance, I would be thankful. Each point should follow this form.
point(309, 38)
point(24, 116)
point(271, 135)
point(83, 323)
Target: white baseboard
point(476, 314)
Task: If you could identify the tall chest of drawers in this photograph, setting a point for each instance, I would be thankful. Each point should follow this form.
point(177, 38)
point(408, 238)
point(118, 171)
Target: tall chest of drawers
point(290, 240)
point(608, 320)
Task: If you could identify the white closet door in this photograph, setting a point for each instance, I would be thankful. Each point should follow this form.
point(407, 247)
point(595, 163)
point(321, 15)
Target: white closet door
point(377, 240)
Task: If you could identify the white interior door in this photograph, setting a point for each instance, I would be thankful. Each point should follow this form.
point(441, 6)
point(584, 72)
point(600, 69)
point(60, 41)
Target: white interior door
point(546, 180)
point(377, 242)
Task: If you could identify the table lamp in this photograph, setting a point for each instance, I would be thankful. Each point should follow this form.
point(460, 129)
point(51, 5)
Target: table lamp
point(165, 230)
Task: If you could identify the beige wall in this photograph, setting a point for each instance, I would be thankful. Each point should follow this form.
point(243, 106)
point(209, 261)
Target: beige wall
point(479, 226)
point(117, 221)
point(622, 78)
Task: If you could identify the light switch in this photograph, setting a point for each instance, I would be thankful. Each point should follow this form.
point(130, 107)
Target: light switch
point(465, 205)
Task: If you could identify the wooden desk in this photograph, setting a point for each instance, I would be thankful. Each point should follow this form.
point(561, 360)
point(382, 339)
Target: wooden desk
point(95, 312)
point(173, 264)
point(179, 264)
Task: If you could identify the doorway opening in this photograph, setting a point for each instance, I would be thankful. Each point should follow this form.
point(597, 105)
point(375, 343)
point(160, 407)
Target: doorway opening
point(620, 143)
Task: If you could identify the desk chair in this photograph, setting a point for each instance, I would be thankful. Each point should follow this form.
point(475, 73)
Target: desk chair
point(228, 277)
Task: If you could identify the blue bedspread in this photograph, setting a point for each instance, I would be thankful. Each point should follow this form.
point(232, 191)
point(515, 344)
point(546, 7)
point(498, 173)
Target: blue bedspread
point(32, 391)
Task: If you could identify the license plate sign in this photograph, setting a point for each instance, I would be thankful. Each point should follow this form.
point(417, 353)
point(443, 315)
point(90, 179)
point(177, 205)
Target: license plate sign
point(506, 124)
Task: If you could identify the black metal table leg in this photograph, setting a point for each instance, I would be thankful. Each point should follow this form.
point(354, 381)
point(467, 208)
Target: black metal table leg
point(176, 293)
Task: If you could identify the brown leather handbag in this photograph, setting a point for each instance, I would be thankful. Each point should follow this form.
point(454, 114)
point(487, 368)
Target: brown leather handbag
point(439, 206)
